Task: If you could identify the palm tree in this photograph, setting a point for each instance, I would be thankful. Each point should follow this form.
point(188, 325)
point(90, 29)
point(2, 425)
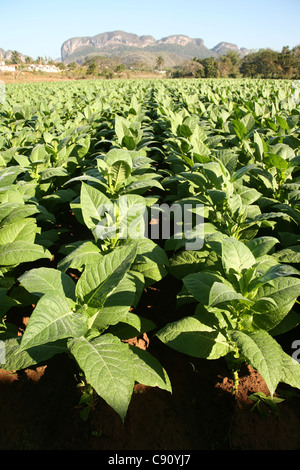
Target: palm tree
point(159, 61)
point(15, 57)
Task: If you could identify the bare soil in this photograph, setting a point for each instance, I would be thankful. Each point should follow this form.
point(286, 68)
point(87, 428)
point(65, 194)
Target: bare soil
point(39, 407)
point(36, 77)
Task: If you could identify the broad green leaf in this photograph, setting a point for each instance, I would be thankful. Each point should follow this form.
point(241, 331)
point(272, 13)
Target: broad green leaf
point(86, 253)
point(18, 359)
point(115, 155)
point(94, 204)
point(23, 229)
point(263, 353)
point(199, 285)
point(274, 272)
point(239, 128)
point(236, 255)
point(53, 173)
point(290, 321)
point(116, 305)
point(193, 337)
point(131, 326)
point(241, 172)
point(289, 255)
point(120, 171)
point(260, 246)
point(281, 294)
point(131, 217)
point(51, 320)
point(290, 371)
point(276, 161)
point(249, 121)
point(248, 195)
point(148, 371)
point(187, 262)
point(220, 293)
point(10, 212)
point(259, 145)
point(107, 364)
point(143, 185)
point(11, 196)
point(20, 252)
point(8, 175)
point(151, 261)
point(98, 296)
point(39, 153)
point(96, 273)
point(43, 281)
point(120, 128)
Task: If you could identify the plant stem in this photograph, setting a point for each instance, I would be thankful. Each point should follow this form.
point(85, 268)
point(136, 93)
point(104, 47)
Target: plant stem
point(236, 382)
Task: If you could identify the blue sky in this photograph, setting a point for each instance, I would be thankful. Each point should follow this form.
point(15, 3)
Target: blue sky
point(38, 28)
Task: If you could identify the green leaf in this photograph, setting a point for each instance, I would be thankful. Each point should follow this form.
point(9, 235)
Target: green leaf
point(43, 281)
point(151, 261)
point(51, 320)
point(23, 229)
point(263, 353)
point(120, 128)
point(93, 205)
point(239, 128)
point(195, 336)
point(120, 172)
point(39, 154)
point(10, 212)
point(108, 366)
point(187, 262)
point(241, 172)
point(116, 305)
point(96, 273)
point(200, 284)
point(86, 253)
point(236, 255)
point(274, 300)
point(148, 371)
point(8, 175)
point(52, 173)
point(18, 359)
point(273, 272)
point(260, 246)
point(20, 252)
point(96, 297)
point(289, 255)
point(290, 371)
point(220, 293)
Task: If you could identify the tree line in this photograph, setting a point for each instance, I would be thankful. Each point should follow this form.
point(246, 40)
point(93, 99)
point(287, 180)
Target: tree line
point(265, 63)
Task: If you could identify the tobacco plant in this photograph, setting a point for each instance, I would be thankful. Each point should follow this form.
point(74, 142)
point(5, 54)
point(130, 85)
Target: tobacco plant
point(243, 299)
point(76, 319)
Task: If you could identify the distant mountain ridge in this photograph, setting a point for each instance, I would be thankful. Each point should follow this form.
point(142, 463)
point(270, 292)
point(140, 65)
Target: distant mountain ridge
point(130, 47)
point(7, 55)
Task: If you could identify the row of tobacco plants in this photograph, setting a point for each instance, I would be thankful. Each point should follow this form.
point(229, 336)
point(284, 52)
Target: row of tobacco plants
point(96, 151)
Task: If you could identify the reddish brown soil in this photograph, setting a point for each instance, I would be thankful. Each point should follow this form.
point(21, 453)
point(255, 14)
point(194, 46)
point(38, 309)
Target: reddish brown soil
point(39, 407)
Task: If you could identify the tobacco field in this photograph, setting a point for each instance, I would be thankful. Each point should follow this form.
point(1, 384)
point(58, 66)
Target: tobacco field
point(121, 317)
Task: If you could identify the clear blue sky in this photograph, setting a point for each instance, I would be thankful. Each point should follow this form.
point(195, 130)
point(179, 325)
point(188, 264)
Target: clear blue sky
point(38, 28)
